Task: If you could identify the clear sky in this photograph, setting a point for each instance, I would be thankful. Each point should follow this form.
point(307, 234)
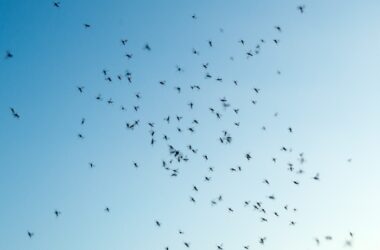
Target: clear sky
point(328, 92)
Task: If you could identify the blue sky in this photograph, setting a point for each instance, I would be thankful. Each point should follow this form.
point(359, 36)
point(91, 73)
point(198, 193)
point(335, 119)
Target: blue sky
point(327, 92)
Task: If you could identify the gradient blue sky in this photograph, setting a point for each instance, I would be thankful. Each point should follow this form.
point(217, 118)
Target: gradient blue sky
point(328, 92)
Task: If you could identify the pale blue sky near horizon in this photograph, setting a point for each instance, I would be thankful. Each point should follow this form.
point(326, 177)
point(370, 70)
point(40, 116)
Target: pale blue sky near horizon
point(328, 92)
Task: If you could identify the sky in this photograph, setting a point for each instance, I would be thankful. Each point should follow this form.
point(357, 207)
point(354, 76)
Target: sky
point(328, 92)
